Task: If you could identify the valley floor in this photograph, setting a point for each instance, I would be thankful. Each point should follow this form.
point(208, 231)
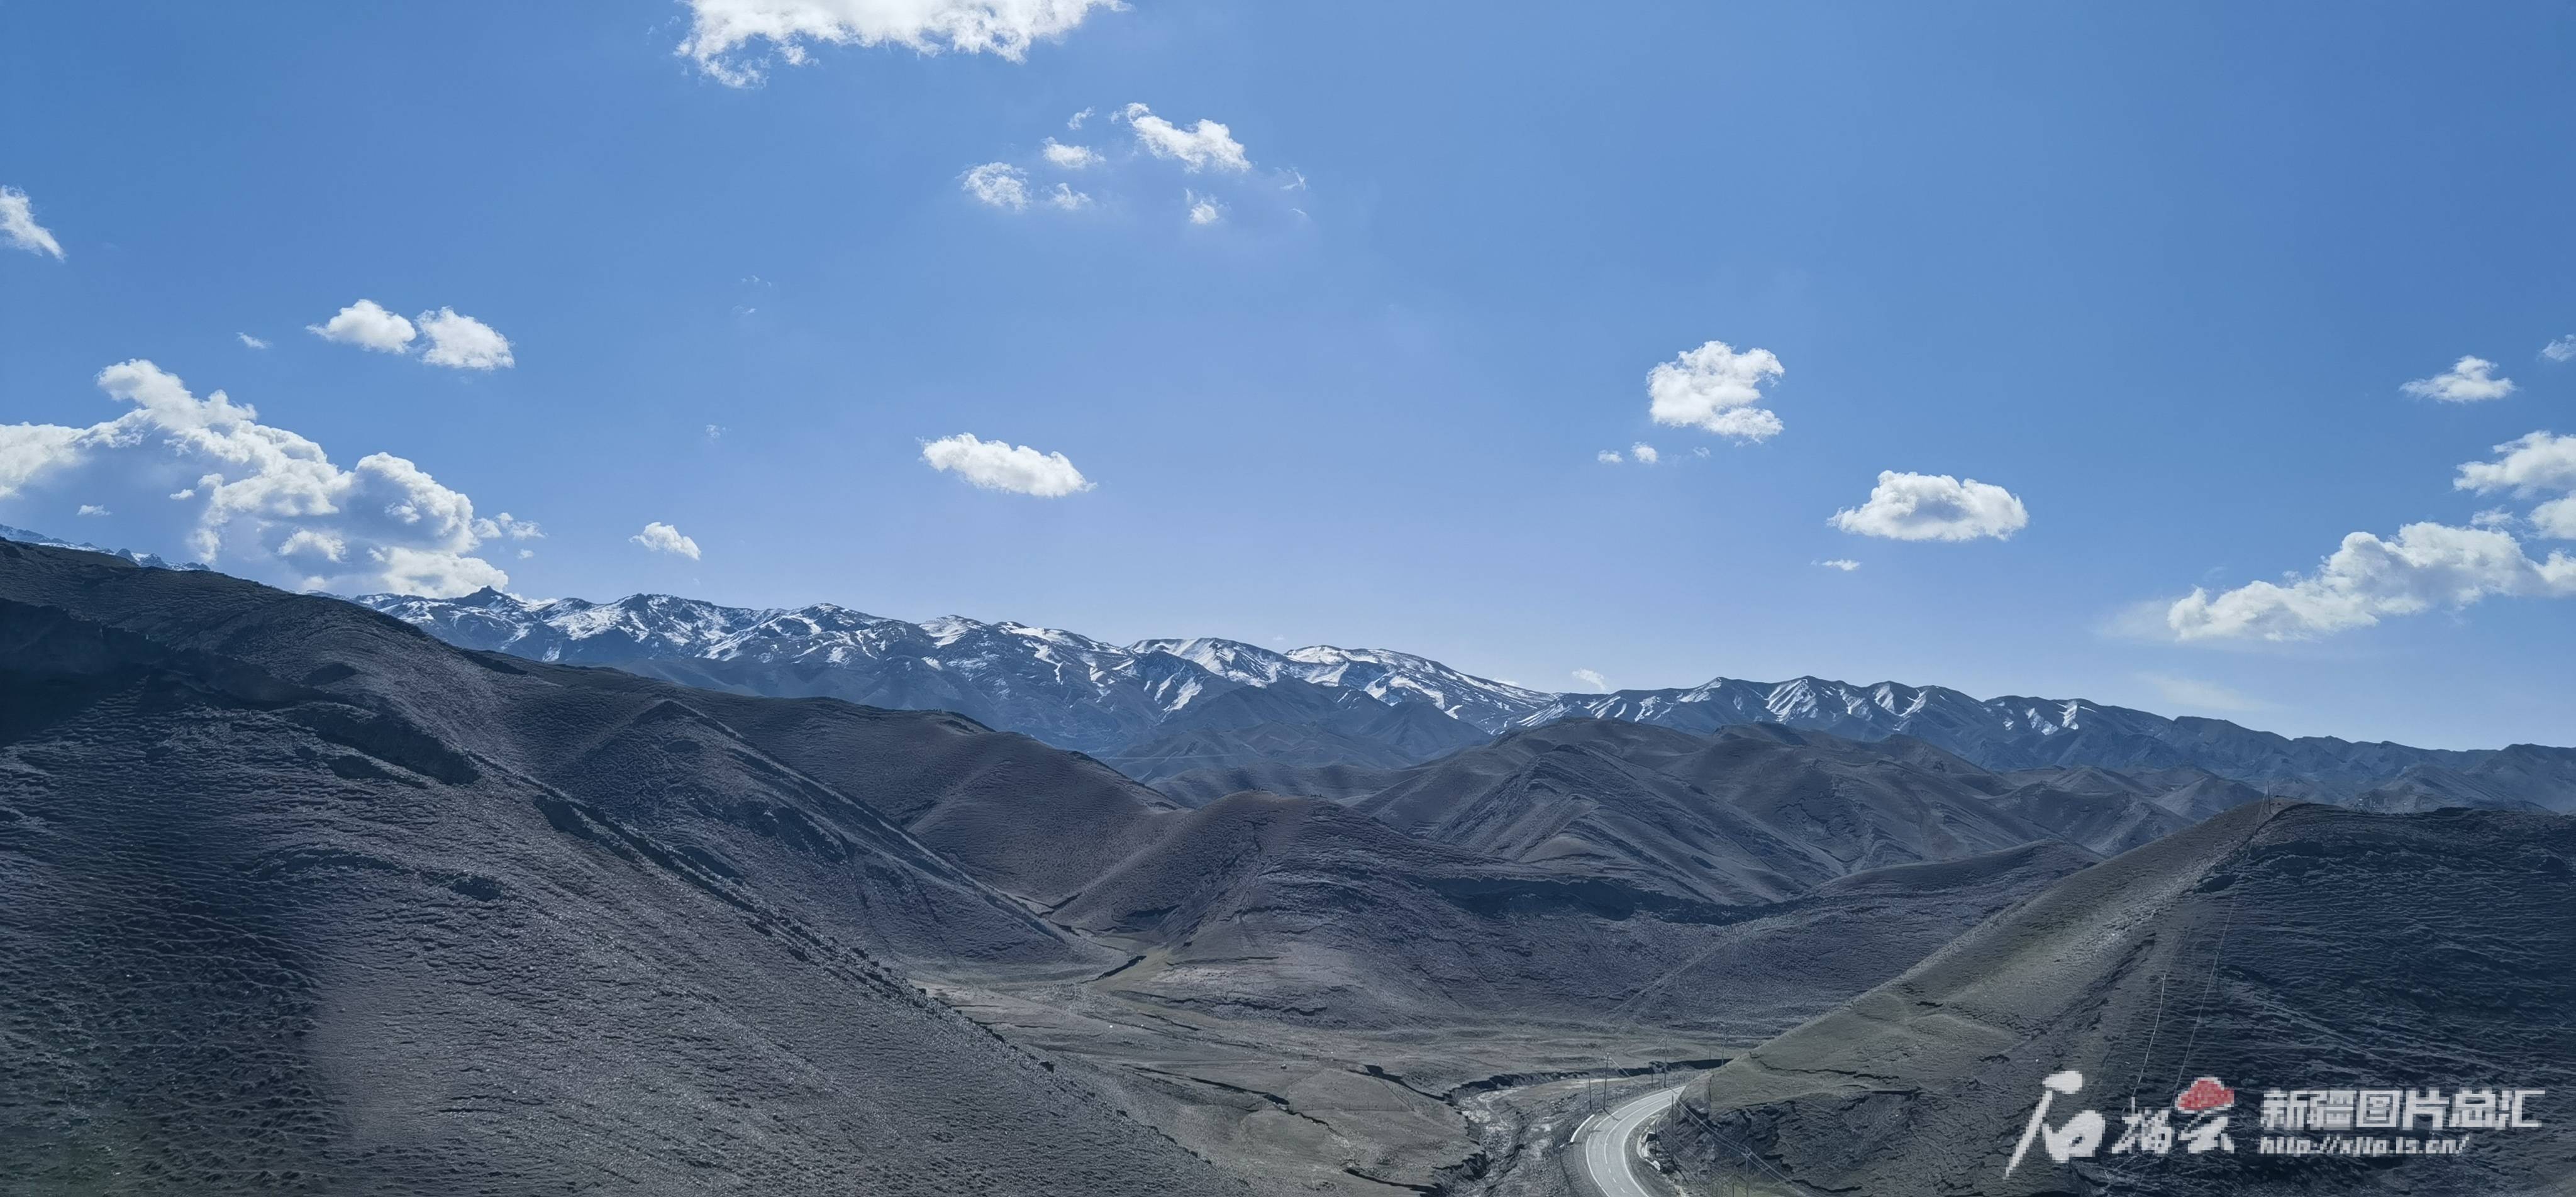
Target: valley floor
point(1466, 1110)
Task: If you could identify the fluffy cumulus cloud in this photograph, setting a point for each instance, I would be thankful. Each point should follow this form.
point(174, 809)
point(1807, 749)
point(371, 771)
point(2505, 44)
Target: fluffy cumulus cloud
point(1717, 389)
point(1592, 679)
point(456, 342)
point(1609, 457)
point(463, 342)
point(2367, 579)
point(2560, 350)
point(1068, 199)
point(2555, 519)
point(18, 225)
point(2532, 466)
point(660, 537)
point(367, 325)
point(256, 499)
point(1644, 453)
point(2469, 380)
point(998, 184)
point(1000, 465)
point(1934, 507)
point(1070, 157)
point(2427, 566)
point(724, 34)
point(1202, 146)
point(1845, 564)
point(1202, 209)
point(510, 526)
point(91, 509)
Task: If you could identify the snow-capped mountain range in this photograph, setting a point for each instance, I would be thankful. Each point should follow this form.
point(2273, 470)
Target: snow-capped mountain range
point(146, 560)
point(1112, 699)
point(1063, 687)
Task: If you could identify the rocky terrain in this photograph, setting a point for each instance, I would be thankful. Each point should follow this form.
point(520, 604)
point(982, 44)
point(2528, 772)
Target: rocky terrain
point(298, 899)
point(2278, 946)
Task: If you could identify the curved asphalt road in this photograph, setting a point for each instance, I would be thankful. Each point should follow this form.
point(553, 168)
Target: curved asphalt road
point(1609, 1144)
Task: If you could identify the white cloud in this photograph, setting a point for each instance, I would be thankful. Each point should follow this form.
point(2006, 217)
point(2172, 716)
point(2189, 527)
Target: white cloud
point(367, 325)
point(313, 543)
point(507, 525)
point(463, 342)
point(1718, 389)
point(722, 29)
point(2196, 694)
point(1197, 148)
point(2555, 519)
point(18, 225)
point(251, 342)
point(1075, 121)
point(2368, 578)
point(91, 509)
point(1934, 507)
point(1203, 210)
point(2560, 350)
point(1071, 157)
point(663, 538)
point(999, 184)
point(524, 554)
point(260, 490)
point(1644, 453)
point(1608, 457)
point(1844, 564)
point(2531, 464)
point(412, 571)
point(2467, 381)
point(2535, 464)
point(1592, 679)
point(1068, 199)
point(999, 465)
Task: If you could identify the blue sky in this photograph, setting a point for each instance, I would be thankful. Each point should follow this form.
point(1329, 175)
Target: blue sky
point(2161, 274)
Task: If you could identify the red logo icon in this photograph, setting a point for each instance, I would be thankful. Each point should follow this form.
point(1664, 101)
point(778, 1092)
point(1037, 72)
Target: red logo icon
point(2204, 1095)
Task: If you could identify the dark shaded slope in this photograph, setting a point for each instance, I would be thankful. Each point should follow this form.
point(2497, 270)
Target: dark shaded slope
point(1017, 814)
point(1572, 809)
point(1337, 783)
point(2192, 794)
point(2522, 777)
point(1303, 909)
point(1292, 745)
point(1051, 700)
point(288, 902)
point(1293, 723)
point(2278, 946)
point(1749, 815)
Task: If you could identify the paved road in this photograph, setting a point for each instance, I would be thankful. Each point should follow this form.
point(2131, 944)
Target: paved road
point(1609, 1144)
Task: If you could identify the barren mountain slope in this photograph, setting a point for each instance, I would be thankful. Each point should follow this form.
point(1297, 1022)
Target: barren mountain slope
point(1752, 814)
point(2278, 946)
point(293, 898)
point(1304, 909)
